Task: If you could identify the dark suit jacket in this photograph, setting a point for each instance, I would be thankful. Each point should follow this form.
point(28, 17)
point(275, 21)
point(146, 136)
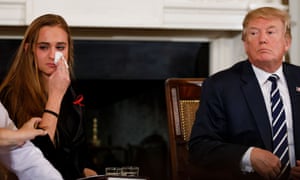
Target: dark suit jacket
point(232, 116)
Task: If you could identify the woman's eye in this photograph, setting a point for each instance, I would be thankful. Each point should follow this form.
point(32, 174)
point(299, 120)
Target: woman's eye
point(60, 48)
point(43, 47)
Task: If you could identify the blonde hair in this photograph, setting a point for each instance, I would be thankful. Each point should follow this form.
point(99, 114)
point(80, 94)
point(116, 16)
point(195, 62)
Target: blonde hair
point(268, 13)
point(22, 91)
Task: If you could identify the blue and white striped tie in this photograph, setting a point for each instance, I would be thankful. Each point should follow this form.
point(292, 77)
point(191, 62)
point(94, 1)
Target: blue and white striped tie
point(280, 141)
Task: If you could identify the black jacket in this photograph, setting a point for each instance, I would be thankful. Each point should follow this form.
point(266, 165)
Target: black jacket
point(69, 155)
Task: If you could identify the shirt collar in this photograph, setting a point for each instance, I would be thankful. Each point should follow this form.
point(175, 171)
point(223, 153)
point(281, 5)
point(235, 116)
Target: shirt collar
point(262, 76)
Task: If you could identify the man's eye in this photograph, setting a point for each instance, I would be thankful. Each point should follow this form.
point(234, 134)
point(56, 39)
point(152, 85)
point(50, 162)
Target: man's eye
point(271, 32)
point(253, 33)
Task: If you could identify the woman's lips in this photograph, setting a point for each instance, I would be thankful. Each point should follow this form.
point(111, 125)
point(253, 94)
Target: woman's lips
point(51, 65)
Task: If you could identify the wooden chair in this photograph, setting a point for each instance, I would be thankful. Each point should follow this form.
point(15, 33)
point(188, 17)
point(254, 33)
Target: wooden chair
point(182, 98)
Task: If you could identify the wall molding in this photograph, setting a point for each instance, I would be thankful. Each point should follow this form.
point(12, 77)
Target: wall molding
point(215, 21)
point(12, 12)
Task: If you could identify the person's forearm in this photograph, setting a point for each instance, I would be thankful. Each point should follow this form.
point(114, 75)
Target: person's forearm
point(9, 137)
point(49, 120)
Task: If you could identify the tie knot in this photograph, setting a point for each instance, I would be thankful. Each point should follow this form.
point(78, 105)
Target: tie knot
point(273, 78)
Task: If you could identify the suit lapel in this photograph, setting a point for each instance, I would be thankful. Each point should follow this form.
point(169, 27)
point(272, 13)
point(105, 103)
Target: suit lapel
point(256, 104)
point(293, 82)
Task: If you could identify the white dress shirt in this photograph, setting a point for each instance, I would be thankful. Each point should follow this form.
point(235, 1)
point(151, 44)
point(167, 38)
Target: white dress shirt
point(26, 161)
point(265, 86)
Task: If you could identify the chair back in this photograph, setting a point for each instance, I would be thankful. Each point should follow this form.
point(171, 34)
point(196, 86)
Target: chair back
point(182, 100)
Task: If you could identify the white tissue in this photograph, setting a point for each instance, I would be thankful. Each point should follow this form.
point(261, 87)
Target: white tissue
point(58, 56)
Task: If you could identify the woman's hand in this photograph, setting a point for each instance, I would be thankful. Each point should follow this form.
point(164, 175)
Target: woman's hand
point(89, 172)
point(58, 84)
point(27, 132)
point(59, 80)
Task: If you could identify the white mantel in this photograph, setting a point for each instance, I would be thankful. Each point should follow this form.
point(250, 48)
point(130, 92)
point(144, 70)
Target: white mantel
point(215, 21)
point(195, 14)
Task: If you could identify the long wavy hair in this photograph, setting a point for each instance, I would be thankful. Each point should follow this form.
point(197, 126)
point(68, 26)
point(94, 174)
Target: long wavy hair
point(22, 91)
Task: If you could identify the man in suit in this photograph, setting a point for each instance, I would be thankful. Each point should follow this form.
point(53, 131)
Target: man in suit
point(233, 128)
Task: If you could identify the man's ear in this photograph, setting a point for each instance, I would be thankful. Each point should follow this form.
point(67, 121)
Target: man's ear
point(288, 42)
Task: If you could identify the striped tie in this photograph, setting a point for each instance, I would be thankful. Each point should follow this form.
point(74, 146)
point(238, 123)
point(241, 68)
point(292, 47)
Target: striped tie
point(280, 142)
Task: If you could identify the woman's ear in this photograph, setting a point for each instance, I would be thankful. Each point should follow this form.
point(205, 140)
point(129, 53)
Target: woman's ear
point(26, 46)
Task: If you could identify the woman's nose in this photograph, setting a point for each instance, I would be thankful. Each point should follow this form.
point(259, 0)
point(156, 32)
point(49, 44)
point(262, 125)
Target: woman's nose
point(52, 53)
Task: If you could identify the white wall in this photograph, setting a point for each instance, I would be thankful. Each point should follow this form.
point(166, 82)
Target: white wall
point(294, 8)
point(215, 21)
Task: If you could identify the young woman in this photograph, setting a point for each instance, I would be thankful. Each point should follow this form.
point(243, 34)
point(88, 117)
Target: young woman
point(36, 86)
